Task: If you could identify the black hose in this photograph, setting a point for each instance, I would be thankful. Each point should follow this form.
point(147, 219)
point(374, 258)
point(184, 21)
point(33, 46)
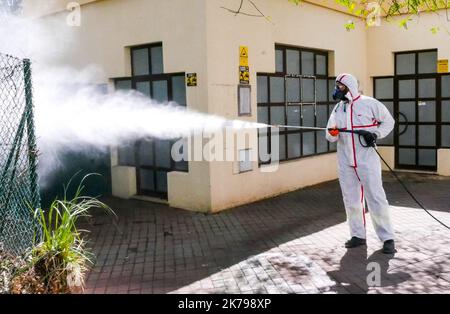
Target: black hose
point(400, 181)
point(357, 132)
point(409, 192)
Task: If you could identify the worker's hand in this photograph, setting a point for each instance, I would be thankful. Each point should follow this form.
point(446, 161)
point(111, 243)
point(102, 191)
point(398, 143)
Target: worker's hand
point(333, 131)
point(370, 138)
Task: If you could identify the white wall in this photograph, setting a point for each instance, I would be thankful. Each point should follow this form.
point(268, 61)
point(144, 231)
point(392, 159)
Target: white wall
point(200, 36)
point(304, 26)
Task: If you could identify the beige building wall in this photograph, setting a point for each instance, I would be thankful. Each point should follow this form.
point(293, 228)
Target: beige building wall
point(199, 36)
point(388, 154)
point(443, 168)
point(384, 40)
point(108, 28)
point(196, 38)
point(304, 26)
point(38, 8)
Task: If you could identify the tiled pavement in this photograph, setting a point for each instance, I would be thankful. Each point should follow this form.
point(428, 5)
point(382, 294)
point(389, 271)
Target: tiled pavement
point(288, 244)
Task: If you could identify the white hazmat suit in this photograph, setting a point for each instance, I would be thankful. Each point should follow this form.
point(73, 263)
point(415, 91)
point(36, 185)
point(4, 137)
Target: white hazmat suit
point(359, 167)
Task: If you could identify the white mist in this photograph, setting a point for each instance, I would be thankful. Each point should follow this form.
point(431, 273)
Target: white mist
point(72, 115)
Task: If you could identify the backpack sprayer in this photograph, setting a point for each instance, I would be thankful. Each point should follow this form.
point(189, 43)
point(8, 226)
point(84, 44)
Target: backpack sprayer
point(360, 134)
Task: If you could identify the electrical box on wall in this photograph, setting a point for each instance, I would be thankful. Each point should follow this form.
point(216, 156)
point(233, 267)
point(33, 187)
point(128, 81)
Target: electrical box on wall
point(244, 100)
point(245, 160)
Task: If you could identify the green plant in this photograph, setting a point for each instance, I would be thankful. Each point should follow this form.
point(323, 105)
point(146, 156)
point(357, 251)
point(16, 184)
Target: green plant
point(406, 9)
point(61, 258)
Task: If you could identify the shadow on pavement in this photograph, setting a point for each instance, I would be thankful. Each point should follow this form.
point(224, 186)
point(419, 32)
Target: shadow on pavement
point(357, 272)
point(154, 248)
point(158, 249)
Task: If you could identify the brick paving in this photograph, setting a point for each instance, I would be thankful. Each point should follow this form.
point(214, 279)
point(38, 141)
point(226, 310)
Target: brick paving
point(292, 243)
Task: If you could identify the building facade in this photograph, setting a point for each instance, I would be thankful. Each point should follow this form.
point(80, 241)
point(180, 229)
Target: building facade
point(292, 59)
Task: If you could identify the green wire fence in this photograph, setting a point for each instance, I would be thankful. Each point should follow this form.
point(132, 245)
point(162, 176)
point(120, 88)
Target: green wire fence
point(19, 191)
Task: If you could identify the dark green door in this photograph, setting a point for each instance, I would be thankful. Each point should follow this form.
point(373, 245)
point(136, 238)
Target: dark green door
point(417, 116)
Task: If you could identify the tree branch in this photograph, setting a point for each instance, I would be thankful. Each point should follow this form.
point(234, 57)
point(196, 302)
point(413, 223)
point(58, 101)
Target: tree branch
point(240, 7)
point(239, 11)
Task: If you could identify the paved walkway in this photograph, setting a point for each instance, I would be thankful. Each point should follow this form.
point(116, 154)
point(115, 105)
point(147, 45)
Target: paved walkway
point(288, 244)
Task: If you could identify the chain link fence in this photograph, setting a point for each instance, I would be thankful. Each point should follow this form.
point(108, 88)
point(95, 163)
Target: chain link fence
point(19, 192)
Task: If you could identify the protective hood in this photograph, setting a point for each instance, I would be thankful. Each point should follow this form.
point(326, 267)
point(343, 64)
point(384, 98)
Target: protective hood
point(351, 82)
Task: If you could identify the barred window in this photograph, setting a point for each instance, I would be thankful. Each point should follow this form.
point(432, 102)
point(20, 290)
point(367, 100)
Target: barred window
point(298, 94)
point(151, 156)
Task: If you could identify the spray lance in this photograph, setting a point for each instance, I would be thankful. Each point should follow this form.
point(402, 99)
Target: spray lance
point(318, 129)
point(360, 134)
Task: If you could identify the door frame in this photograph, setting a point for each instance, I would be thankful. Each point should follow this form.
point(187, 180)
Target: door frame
point(398, 124)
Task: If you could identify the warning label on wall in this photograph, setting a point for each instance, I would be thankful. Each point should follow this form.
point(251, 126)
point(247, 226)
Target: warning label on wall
point(244, 75)
point(244, 51)
point(443, 66)
point(191, 79)
point(243, 56)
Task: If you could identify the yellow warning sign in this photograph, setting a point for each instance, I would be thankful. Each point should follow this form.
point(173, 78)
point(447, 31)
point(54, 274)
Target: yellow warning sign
point(443, 66)
point(243, 62)
point(243, 56)
point(244, 51)
point(191, 79)
point(244, 75)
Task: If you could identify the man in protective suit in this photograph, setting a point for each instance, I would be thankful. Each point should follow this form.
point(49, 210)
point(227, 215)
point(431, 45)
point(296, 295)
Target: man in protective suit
point(358, 163)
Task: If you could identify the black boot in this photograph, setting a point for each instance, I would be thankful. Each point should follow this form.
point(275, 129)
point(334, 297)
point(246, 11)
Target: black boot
point(354, 242)
point(389, 247)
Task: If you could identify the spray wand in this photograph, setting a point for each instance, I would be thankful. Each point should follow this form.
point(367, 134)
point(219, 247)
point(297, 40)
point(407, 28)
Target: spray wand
point(317, 129)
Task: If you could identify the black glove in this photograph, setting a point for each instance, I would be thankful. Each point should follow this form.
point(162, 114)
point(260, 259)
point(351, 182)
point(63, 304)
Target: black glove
point(370, 138)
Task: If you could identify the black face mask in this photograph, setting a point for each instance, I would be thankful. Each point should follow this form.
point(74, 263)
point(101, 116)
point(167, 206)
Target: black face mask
point(339, 94)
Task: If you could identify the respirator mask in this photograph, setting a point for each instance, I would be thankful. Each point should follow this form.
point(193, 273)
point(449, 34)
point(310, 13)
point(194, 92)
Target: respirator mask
point(339, 92)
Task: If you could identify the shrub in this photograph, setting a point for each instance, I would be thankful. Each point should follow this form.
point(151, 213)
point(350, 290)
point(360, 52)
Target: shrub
point(59, 261)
